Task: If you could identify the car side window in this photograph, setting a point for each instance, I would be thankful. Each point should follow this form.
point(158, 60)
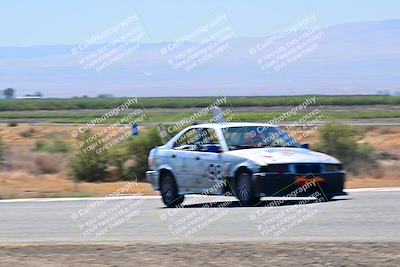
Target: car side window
point(207, 141)
point(187, 141)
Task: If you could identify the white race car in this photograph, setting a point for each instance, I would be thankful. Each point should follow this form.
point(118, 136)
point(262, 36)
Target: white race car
point(248, 160)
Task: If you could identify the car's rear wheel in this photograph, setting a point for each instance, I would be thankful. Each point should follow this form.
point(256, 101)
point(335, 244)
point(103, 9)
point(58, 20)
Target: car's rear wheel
point(245, 189)
point(169, 191)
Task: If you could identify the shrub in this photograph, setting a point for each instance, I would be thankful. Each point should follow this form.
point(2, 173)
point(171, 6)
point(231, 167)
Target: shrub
point(40, 145)
point(342, 142)
point(27, 133)
point(46, 163)
point(139, 148)
point(117, 158)
point(2, 151)
point(87, 165)
point(55, 145)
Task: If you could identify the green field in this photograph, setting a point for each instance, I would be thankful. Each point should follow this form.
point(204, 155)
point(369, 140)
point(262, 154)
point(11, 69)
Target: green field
point(187, 102)
point(162, 117)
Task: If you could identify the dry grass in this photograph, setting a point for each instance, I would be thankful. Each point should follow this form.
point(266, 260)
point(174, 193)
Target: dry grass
point(42, 174)
point(20, 184)
point(46, 163)
point(386, 139)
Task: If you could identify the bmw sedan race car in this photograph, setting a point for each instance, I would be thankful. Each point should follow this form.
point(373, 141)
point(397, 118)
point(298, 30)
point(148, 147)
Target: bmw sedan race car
point(247, 160)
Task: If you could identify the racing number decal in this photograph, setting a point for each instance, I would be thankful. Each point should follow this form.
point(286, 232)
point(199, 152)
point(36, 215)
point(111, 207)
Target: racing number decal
point(215, 171)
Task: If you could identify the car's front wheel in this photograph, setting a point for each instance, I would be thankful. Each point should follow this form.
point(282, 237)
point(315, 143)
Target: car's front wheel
point(169, 191)
point(245, 190)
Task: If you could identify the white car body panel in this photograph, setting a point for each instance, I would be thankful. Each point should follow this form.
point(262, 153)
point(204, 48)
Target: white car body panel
point(265, 156)
point(196, 171)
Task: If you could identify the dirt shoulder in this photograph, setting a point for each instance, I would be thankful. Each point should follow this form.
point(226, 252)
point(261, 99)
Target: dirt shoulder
point(360, 182)
point(24, 186)
point(204, 254)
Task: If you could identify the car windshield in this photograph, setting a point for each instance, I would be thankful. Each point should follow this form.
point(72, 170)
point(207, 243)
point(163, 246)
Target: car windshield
point(257, 136)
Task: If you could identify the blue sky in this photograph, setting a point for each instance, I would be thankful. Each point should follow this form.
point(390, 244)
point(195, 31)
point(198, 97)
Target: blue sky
point(47, 22)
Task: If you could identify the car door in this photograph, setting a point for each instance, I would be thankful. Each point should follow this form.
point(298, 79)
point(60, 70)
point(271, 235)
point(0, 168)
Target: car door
point(210, 177)
point(184, 158)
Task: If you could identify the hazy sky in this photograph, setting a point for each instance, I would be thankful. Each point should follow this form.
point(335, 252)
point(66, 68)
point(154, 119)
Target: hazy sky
point(46, 22)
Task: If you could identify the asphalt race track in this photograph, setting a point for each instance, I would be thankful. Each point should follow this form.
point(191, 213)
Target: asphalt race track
point(365, 215)
point(361, 229)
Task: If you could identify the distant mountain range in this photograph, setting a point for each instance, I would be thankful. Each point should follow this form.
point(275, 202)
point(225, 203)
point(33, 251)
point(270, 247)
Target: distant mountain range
point(351, 58)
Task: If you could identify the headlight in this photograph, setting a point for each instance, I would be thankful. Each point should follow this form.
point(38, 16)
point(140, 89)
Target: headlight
point(150, 162)
point(333, 167)
point(275, 168)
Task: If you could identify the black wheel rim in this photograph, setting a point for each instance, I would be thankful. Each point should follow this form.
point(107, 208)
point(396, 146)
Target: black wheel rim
point(168, 189)
point(244, 191)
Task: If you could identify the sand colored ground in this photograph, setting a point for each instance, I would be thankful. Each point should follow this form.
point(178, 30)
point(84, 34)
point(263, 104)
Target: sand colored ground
point(203, 254)
point(24, 174)
point(24, 185)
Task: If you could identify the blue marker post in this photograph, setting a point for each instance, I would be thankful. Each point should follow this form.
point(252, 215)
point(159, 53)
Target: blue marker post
point(134, 129)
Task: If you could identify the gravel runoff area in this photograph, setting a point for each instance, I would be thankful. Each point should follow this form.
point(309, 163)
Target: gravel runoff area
point(203, 254)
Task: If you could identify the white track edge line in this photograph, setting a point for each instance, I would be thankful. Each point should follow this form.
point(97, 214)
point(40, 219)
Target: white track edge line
point(379, 189)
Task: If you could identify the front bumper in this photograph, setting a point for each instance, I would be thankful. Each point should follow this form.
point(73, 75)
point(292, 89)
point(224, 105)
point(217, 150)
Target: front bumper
point(152, 177)
point(329, 184)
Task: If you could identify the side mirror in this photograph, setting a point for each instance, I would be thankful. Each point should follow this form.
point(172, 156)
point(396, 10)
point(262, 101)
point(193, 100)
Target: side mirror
point(306, 146)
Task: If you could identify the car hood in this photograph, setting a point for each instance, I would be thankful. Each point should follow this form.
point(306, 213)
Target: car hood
point(264, 156)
